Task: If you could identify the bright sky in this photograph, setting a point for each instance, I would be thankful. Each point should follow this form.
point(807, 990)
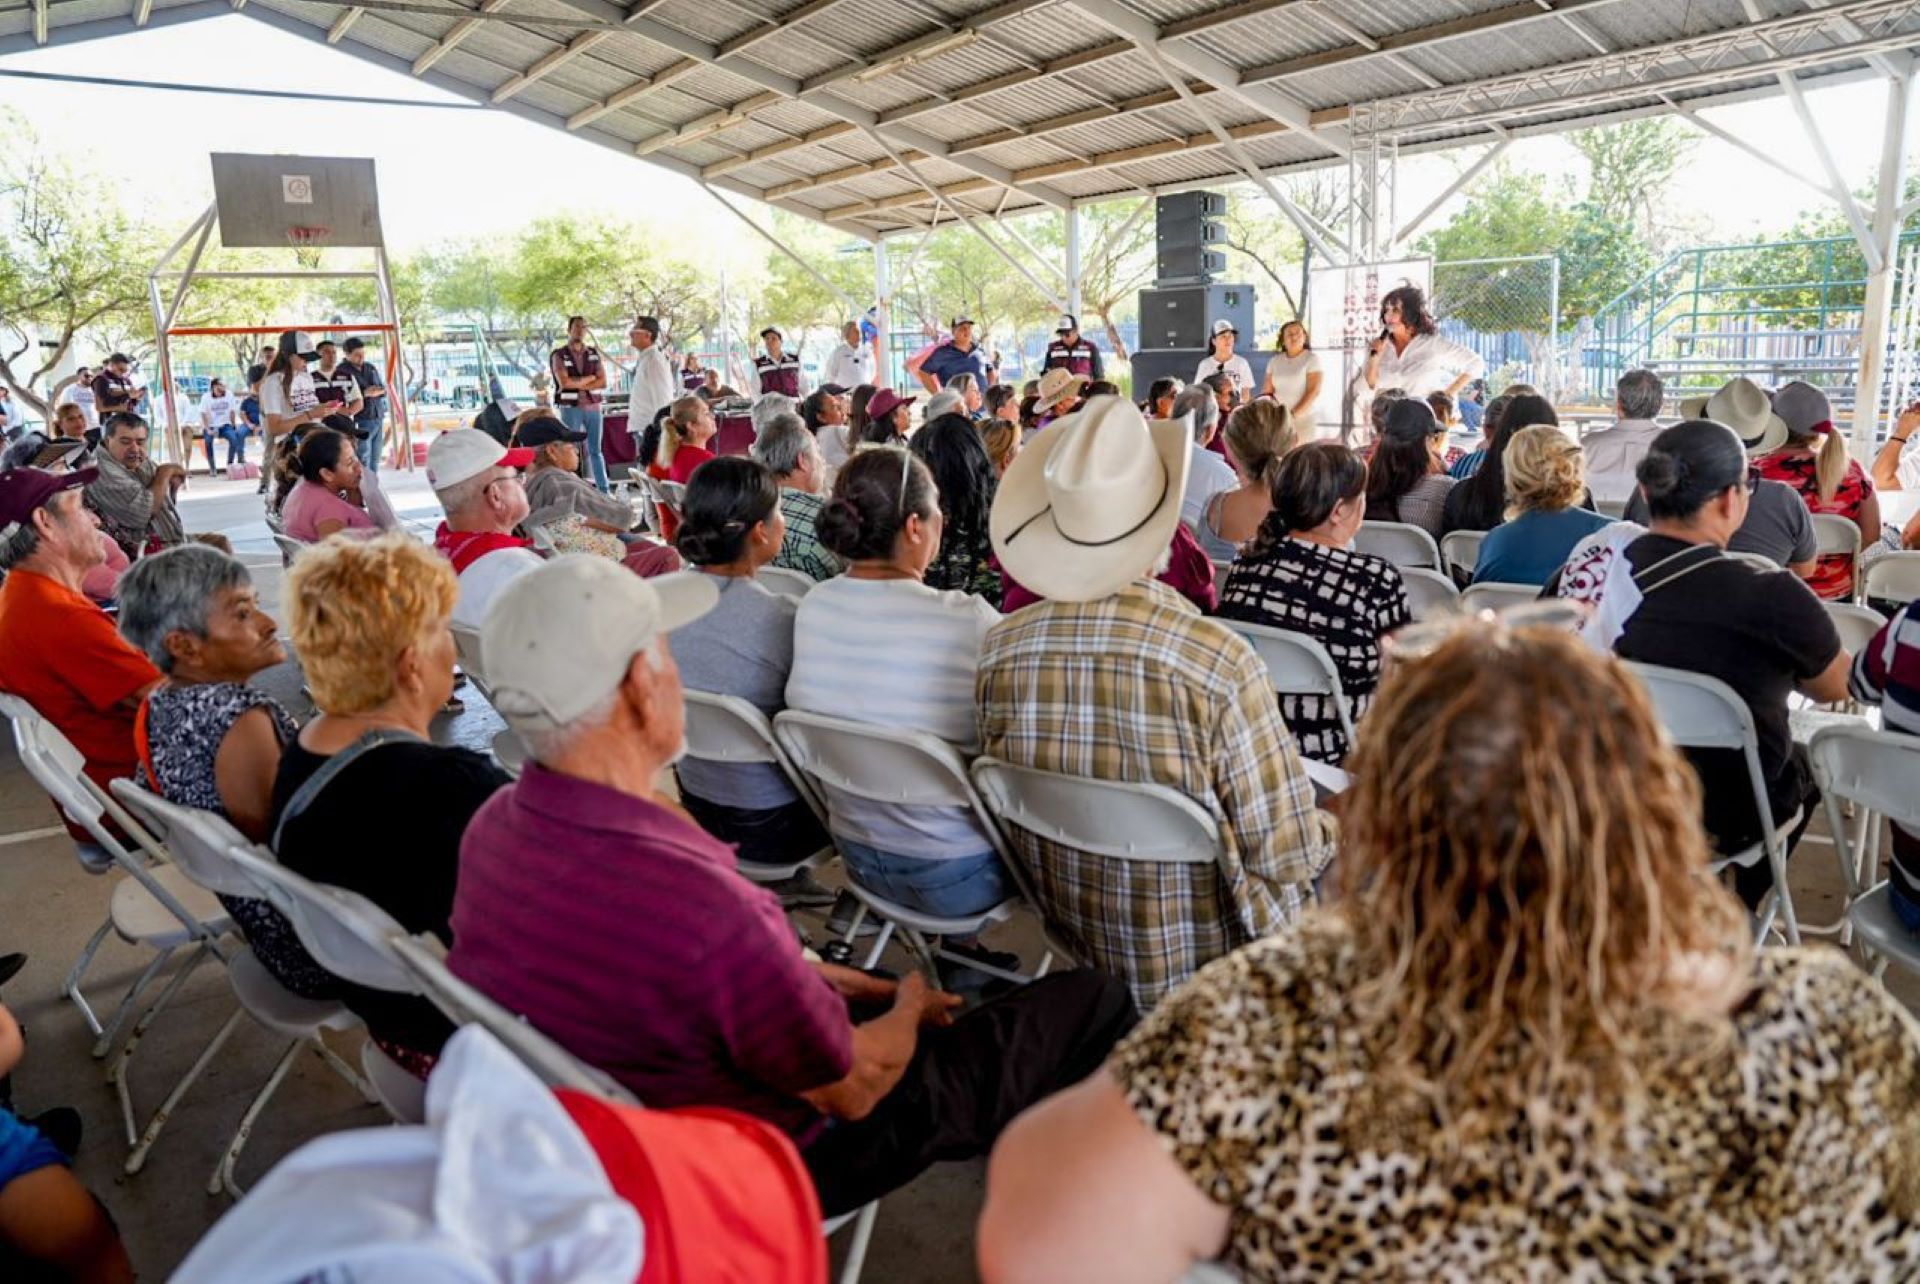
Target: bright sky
point(463, 174)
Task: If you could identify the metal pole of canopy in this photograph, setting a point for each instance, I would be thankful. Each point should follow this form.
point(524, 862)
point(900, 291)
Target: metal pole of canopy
point(1878, 310)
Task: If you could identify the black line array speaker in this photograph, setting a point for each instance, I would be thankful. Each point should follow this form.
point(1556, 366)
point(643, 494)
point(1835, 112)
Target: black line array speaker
point(1188, 237)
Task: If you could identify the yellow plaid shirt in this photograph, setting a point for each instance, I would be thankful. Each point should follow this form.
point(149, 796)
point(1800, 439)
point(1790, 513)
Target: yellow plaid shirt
point(1141, 687)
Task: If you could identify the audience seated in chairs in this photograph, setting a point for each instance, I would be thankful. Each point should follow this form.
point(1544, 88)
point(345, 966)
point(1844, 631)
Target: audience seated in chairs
point(1527, 1034)
point(1406, 477)
point(477, 481)
point(1207, 473)
point(576, 517)
point(1613, 453)
point(60, 652)
point(1685, 604)
point(953, 451)
point(1545, 477)
point(1302, 573)
point(794, 455)
point(732, 526)
point(877, 645)
point(363, 798)
point(326, 499)
point(59, 456)
point(132, 495)
point(1259, 435)
point(713, 1003)
point(1480, 502)
point(1887, 673)
point(205, 738)
point(1117, 677)
point(1814, 462)
point(825, 416)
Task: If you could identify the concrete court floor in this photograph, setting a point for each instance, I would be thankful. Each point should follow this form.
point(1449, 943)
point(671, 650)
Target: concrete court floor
point(51, 905)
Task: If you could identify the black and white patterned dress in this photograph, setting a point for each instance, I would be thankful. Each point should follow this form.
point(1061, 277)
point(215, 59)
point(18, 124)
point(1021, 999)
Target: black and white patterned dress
point(1342, 599)
point(185, 727)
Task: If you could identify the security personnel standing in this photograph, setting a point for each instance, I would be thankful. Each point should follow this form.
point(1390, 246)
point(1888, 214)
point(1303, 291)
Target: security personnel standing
point(1070, 352)
point(776, 371)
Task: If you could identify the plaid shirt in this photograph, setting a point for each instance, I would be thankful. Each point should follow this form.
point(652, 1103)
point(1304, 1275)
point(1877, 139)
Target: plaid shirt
point(802, 550)
point(1141, 687)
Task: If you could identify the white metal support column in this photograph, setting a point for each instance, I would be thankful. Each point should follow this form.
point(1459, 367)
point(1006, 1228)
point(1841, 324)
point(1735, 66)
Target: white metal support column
point(1878, 312)
point(883, 296)
point(1072, 217)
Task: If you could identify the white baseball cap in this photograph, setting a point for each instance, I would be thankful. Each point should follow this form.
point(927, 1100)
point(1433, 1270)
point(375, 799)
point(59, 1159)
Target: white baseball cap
point(1068, 323)
point(1224, 326)
point(558, 639)
point(460, 454)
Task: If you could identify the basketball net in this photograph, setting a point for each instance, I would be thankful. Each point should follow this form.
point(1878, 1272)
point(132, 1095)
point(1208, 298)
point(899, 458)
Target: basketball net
point(307, 244)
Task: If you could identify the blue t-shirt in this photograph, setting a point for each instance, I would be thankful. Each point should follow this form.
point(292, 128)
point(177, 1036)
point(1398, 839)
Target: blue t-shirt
point(24, 1149)
point(1531, 547)
point(946, 361)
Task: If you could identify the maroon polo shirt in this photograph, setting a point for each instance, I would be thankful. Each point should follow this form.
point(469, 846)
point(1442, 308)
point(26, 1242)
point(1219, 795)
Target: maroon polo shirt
point(623, 931)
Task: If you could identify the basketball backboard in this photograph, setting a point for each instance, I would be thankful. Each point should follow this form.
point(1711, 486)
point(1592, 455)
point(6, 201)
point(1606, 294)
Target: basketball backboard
point(298, 201)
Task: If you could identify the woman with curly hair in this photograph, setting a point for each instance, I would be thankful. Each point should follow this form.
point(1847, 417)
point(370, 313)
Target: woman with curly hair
point(1546, 478)
point(1411, 353)
point(1530, 1033)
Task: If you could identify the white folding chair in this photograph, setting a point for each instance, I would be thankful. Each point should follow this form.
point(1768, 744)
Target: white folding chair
point(156, 906)
point(843, 758)
point(727, 729)
point(1894, 577)
point(1616, 509)
point(1460, 550)
point(1836, 536)
point(1401, 543)
point(348, 935)
point(200, 842)
point(784, 580)
point(1874, 771)
point(508, 749)
point(463, 1004)
point(1298, 665)
point(1856, 624)
point(1701, 712)
point(670, 494)
point(1494, 596)
point(289, 547)
point(1220, 572)
point(1760, 560)
point(1429, 593)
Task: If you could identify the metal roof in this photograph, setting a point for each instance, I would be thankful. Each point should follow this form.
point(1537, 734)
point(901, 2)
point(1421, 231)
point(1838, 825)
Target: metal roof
point(879, 116)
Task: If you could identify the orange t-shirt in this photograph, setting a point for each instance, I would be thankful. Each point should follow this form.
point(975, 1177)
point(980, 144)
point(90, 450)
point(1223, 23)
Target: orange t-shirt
point(62, 655)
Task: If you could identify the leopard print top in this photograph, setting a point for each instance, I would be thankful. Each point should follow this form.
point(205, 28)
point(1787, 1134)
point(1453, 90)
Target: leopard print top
point(1792, 1154)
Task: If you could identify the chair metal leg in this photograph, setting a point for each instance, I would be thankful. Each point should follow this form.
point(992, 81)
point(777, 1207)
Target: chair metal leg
point(138, 1157)
point(857, 1248)
point(222, 1178)
point(107, 1036)
point(117, 1072)
point(357, 1081)
point(70, 988)
point(879, 944)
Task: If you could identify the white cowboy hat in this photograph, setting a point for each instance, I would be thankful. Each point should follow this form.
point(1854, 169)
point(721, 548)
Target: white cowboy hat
point(1742, 405)
point(1056, 385)
point(1091, 502)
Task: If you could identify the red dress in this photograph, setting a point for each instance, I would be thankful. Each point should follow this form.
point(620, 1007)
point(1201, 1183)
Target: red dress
point(1833, 574)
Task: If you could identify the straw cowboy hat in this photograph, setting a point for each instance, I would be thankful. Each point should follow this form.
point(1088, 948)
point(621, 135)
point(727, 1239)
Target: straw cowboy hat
point(1092, 502)
point(1742, 405)
point(1056, 385)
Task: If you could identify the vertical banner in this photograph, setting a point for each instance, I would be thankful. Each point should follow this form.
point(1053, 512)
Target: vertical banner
point(1343, 311)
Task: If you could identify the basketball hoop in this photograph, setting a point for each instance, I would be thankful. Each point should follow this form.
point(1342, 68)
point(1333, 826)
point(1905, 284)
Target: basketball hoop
point(307, 238)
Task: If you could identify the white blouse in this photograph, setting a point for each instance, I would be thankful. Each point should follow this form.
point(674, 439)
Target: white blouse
point(1289, 378)
point(1428, 364)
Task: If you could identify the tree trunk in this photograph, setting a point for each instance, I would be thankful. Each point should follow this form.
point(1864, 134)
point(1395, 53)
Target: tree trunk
point(1113, 333)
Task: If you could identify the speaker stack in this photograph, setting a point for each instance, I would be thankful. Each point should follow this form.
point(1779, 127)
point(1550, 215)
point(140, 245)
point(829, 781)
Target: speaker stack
point(1178, 310)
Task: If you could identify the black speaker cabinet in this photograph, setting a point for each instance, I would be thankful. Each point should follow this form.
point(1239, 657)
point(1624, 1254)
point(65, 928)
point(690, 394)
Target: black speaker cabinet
point(1183, 316)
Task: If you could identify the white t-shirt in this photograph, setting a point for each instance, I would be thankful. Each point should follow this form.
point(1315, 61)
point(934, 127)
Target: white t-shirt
point(931, 640)
point(277, 399)
point(80, 393)
point(849, 366)
point(485, 577)
point(1289, 378)
point(1235, 367)
point(216, 412)
point(652, 387)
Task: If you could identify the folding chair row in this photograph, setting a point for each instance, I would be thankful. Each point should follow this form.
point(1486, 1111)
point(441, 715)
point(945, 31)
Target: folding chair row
point(1874, 772)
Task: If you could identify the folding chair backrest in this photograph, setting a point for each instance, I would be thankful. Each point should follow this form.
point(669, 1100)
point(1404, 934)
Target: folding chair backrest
point(466, 642)
point(1461, 549)
point(672, 494)
point(784, 581)
point(1296, 664)
point(1429, 593)
point(1699, 712)
point(884, 764)
point(1760, 560)
point(1401, 543)
point(1857, 624)
point(465, 1005)
point(1118, 819)
point(1835, 536)
point(1875, 769)
point(197, 840)
point(1493, 596)
point(346, 933)
point(723, 728)
point(1895, 577)
point(1220, 572)
point(289, 547)
point(58, 768)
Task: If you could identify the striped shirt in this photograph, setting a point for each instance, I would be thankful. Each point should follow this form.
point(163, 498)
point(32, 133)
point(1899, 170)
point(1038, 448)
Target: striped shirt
point(623, 932)
point(898, 654)
point(1140, 686)
point(1887, 673)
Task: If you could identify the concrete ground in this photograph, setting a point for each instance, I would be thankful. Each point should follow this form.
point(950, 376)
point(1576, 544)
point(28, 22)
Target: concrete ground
point(52, 905)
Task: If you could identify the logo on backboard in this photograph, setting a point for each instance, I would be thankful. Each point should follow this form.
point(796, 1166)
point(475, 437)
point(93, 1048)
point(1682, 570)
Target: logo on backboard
point(296, 189)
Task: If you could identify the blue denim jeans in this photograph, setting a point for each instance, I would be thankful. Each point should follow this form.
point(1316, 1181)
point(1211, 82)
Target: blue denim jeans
point(587, 421)
point(369, 450)
point(948, 887)
point(236, 439)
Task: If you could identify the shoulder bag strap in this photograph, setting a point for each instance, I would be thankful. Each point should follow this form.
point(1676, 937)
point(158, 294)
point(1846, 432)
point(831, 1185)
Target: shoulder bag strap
point(310, 789)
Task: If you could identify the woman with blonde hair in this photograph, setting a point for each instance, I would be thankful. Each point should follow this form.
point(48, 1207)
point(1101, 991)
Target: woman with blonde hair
point(1259, 435)
point(1529, 1033)
point(1545, 473)
point(364, 799)
point(1815, 463)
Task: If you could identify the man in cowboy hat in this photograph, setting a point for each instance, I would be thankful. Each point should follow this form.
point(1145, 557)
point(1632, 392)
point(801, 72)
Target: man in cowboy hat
point(1058, 394)
point(1083, 516)
point(1779, 526)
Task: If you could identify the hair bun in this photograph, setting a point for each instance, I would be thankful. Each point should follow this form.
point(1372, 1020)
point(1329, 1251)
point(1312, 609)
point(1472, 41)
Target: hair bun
point(1661, 473)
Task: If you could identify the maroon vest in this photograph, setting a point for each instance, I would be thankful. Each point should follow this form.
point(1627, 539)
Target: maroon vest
point(1076, 359)
point(782, 376)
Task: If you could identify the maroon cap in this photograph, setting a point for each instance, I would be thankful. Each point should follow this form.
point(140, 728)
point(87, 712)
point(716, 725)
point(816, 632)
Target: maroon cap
point(25, 489)
point(885, 402)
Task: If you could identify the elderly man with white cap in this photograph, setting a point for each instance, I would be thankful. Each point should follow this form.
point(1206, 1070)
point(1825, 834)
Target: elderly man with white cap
point(477, 481)
point(608, 919)
point(1116, 676)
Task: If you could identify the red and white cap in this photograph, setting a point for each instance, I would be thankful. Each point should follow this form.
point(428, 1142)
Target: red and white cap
point(462, 454)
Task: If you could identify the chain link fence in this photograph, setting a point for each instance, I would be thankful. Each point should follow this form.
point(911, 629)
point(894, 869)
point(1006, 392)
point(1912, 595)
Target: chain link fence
point(1508, 311)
